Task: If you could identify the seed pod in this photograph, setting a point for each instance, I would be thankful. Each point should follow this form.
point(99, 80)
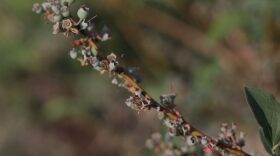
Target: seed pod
point(83, 12)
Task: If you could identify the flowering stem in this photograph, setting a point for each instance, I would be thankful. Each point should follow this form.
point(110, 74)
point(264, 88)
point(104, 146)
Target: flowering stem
point(173, 114)
point(85, 51)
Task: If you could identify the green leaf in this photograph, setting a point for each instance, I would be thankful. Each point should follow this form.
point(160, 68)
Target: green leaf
point(267, 112)
point(266, 143)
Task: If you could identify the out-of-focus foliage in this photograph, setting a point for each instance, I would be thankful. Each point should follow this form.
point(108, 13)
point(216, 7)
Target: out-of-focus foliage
point(205, 51)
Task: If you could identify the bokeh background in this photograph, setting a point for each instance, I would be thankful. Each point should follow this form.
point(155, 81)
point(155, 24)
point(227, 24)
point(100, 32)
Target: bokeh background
point(205, 51)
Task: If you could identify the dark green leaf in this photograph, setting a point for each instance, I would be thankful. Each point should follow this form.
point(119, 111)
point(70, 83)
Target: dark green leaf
point(267, 112)
point(266, 143)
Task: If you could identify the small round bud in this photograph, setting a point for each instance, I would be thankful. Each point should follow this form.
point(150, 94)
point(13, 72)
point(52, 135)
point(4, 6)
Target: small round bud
point(191, 140)
point(94, 51)
point(156, 137)
point(83, 12)
point(129, 101)
point(105, 33)
point(172, 132)
point(56, 28)
point(105, 37)
point(115, 81)
point(83, 51)
point(112, 66)
point(160, 115)
point(83, 25)
point(46, 5)
point(204, 141)
point(112, 57)
point(65, 11)
point(73, 53)
point(37, 8)
point(149, 144)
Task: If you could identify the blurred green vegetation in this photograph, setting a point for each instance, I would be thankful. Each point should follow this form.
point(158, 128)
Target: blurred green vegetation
point(205, 51)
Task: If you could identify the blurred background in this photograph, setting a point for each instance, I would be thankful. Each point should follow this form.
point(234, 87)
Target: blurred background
point(205, 51)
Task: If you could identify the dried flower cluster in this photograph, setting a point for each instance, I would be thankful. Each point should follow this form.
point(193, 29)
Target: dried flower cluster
point(86, 52)
point(227, 135)
point(193, 145)
point(166, 146)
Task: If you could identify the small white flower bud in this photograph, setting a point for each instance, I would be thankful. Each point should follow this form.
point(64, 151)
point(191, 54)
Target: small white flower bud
point(149, 144)
point(83, 12)
point(73, 53)
point(111, 66)
point(160, 115)
point(55, 9)
point(191, 140)
point(37, 8)
point(46, 5)
point(204, 141)
point(115, 81)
